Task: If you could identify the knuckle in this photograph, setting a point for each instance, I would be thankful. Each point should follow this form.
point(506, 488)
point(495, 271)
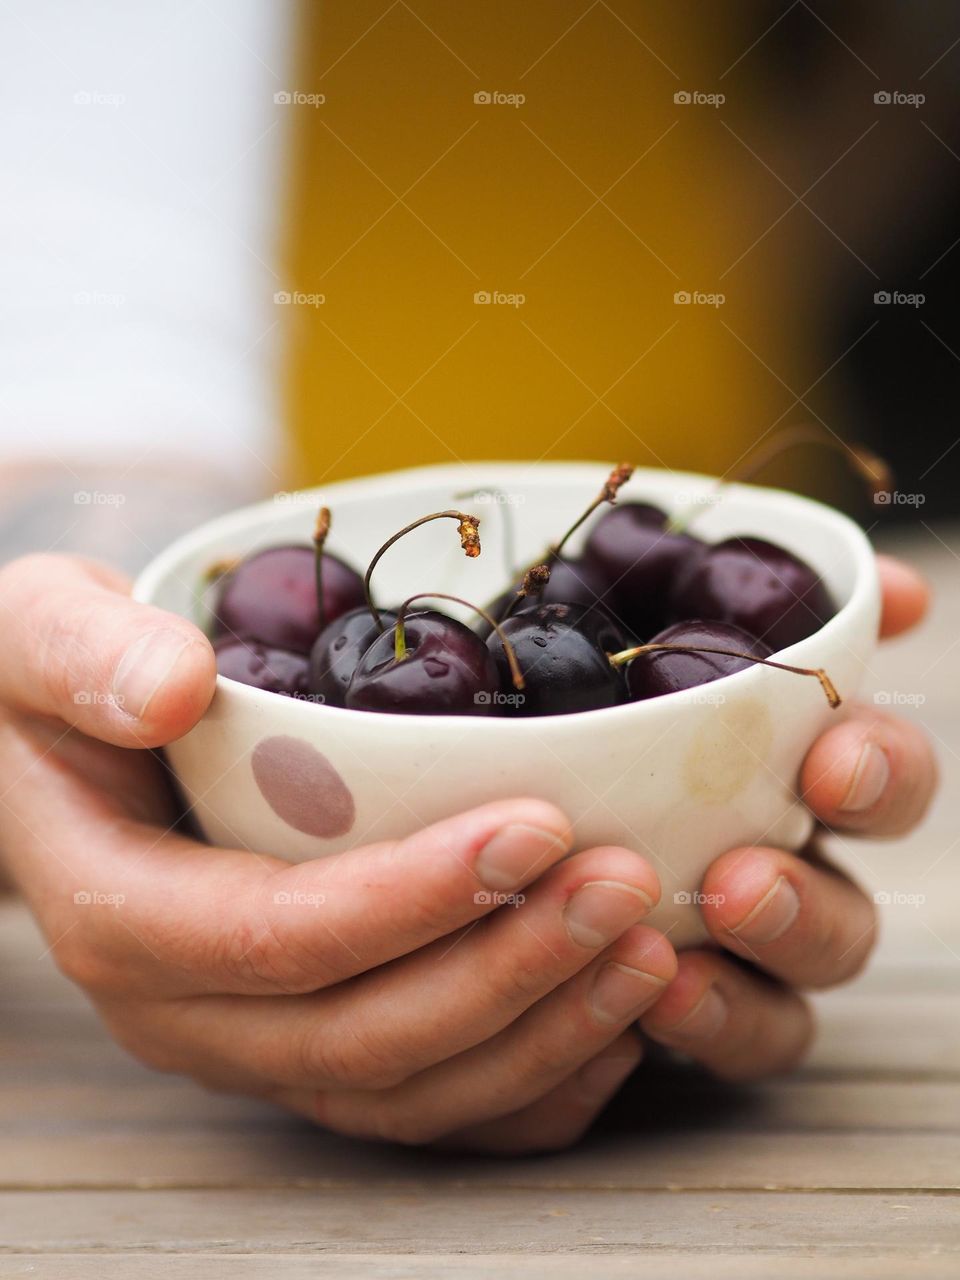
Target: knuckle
point(346, 1060)
point(516, 985)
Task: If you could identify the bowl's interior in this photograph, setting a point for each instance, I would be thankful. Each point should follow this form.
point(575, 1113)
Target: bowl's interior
point(529, 507)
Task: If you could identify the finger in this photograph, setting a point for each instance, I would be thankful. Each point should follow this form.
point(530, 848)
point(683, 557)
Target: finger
point(561, 1117)
point(75, 646)
point(392, 1023)
point(803, 922)
point(905, 595)
point(874, 774)
point(733, 1021)
point(182, 917)
point(523, 1063)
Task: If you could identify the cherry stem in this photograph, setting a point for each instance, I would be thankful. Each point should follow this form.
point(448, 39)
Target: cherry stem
point(614, 482)
point(869, 466)
point(468, 528)
point(320, 531)
point(509, 541)
point(826, 684)
point(400, 641)
point(534, 581)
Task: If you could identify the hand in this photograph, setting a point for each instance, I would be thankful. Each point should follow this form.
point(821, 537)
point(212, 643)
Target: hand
point(374, 991)
point(797, 921)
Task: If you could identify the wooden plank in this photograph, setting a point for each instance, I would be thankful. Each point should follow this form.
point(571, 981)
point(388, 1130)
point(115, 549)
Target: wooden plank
point(652, 1264)
point(698, 1158)
point(444, 1221)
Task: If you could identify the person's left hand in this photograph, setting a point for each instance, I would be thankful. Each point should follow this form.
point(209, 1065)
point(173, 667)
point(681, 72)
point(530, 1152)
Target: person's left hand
point(798, 921)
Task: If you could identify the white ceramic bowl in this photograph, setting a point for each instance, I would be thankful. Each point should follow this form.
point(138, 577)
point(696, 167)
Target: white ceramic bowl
point(679, 778)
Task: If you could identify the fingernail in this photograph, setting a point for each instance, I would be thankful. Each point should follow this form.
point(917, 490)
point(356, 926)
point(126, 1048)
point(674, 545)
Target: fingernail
point(514, 855)
point(704, 1020)
point(772, 916)
point(144, 668)
point(600, 911)
point(869, 780)
point(599, 1079)
point(620, 992)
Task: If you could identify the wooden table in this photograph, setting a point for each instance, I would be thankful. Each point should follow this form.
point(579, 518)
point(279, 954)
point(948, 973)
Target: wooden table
point(850, 1168)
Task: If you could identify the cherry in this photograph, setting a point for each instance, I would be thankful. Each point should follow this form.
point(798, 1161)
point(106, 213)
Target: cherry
point(756, 585)
point(562, 650)
point(338, 650)
point(261, 667)
point(658, 671)
point(569, 582)
point(282, 596)
point(635, 553)
point(427, 664)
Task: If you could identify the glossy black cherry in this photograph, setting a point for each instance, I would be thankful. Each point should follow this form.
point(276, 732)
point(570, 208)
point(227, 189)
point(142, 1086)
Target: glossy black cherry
point(662, 671)
point(338, 650)
point(261, 667)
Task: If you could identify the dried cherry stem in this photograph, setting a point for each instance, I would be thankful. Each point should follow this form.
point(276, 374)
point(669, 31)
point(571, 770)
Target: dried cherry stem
point(467, 526)
point(873, 470)
point(400, 636)
point(534, 581)
point(503, 501)
point(320, 531)
point(614, 482)
point(826, 684)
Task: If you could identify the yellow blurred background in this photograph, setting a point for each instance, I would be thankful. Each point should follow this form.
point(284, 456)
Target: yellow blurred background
point(597, 198)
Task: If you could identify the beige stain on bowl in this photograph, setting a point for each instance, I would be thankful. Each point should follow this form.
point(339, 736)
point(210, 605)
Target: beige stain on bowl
point(728, 751)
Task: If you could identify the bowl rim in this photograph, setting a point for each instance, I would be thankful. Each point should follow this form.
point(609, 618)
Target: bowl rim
point(241, 520)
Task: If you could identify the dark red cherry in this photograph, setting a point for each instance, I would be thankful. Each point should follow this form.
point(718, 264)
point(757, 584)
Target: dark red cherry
point(562, 651)
point(276, 670)
point(651, 674)
point(338, 650)
point(272, 597)
point(637, 558)
point(571, 582)
point(756, 585)
point(447, 670)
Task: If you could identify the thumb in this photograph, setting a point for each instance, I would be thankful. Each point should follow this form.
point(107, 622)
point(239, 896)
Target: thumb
point(74, 645)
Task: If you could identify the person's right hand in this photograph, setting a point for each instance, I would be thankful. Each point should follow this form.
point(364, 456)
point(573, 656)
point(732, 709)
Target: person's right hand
point(384, 992)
